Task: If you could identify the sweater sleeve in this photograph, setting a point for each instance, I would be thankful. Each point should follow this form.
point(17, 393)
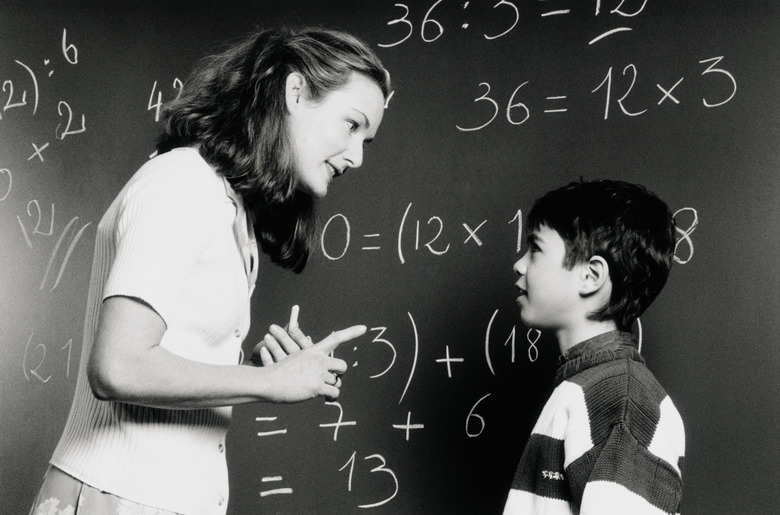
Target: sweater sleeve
point(626, 477)
point(163, 225)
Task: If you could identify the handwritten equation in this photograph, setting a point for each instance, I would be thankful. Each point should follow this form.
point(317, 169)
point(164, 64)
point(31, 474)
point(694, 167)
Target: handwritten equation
point(43, 231)
point(619, 87)
point(506, 17)
point(617, 91)
point(427, 234)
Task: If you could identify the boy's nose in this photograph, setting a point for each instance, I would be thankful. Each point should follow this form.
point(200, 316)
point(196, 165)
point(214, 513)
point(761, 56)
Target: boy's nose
point(520, 265)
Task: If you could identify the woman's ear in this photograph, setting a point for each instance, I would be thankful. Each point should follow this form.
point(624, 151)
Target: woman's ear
point(293, 90)
point(595, 276)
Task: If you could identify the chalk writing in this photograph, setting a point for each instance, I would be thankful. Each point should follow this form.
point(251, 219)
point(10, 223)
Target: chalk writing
point(6, 176)
point(379, 468)
point(449, 360)
point(36, 356)
point(340, 422)
point(502, 16)
point(274, 491)
point(533, 351)
point(272, 432)
point(158, 105)
point(518, 111)
point(408, 426)
point(474, 417)
point(336, 236)
point(685, 234)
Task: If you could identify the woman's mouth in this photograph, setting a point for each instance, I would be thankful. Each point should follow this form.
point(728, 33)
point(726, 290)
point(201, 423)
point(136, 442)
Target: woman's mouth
point(334, 172)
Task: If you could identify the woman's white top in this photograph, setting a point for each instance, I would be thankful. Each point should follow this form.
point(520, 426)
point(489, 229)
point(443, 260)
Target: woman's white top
point(176, 237)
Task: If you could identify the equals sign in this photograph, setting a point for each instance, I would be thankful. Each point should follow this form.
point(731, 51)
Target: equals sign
point(274, 491)
point(269, 433)
point(371, 236)
point(561, 110)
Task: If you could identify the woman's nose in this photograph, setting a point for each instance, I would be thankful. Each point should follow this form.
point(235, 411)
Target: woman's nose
point(354, 153)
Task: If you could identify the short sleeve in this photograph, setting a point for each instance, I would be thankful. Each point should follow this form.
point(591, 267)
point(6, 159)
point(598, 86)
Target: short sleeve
point(164, 222)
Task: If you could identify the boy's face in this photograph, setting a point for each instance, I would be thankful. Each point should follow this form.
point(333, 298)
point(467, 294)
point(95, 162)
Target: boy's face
point(549, 293)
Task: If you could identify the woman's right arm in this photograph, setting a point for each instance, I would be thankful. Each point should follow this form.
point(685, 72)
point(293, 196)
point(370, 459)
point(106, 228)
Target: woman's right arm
point(127, 364)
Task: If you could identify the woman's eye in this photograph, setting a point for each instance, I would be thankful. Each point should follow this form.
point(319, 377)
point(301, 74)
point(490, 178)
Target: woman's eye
point(353, 125)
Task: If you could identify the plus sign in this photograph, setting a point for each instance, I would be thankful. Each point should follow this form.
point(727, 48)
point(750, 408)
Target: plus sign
point(408, 425)
point(449, 360)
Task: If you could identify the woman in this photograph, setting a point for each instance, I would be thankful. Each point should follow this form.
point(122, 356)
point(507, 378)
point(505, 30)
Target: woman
point(257, 135)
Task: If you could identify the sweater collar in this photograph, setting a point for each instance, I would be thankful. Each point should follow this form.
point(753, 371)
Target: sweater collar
point(595, 351)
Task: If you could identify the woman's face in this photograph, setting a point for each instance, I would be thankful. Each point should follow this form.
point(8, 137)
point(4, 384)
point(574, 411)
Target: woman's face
point(328, 136)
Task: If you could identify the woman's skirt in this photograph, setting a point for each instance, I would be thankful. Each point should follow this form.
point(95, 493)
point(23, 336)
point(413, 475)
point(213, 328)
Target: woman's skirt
point(62, 494)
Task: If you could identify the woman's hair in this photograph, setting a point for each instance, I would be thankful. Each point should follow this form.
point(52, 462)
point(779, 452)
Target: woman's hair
point(627, 225)
point(233, 106)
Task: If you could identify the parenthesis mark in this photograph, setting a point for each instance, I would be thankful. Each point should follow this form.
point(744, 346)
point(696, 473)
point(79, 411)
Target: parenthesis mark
point(414, 362)
point(401, 232)
point(487, 343)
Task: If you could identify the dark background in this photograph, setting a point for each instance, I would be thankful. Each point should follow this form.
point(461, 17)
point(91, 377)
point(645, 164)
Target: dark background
point(710, 337)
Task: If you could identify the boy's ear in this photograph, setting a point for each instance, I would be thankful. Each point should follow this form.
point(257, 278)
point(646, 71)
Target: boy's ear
point(595, 275)
point(293, 90)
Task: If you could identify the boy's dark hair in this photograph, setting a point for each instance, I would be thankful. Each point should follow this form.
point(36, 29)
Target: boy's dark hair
point(628, 226)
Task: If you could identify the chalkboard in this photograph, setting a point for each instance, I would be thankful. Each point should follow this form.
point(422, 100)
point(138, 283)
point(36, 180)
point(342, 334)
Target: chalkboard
point(494, 103)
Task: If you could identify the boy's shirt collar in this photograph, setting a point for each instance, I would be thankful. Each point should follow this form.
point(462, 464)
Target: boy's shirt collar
point(594, 351)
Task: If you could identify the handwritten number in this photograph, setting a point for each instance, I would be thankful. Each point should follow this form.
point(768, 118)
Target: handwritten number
point(685, 234)
point(519, 104)
point(402, 19)
point(70, 52)
point(627, 15)
point(34, 371)
point(381, 468)
point(68, 346)
point(427, 21)
point(10, 104)
point(633, 81)
point(533, 350)
point(487, 99)
point(479, 418)
point(325, 229)
point(179, 85)
point(35, 84)
point(379, 339)
point(157, 106)
point(38, 218)
point(429, 245)
point(712, 69)
point(351, 463)
point(517, 19)
point(608, 81)
point(519, 219)
point(68, 131)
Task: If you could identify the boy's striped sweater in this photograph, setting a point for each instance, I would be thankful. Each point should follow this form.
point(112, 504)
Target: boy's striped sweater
point(608, 441)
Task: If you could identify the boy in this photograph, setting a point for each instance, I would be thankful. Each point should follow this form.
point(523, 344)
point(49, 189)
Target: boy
point(609, 440)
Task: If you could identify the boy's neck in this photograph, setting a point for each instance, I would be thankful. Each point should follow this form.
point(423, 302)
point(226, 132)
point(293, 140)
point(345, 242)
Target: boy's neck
point(571, 336)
